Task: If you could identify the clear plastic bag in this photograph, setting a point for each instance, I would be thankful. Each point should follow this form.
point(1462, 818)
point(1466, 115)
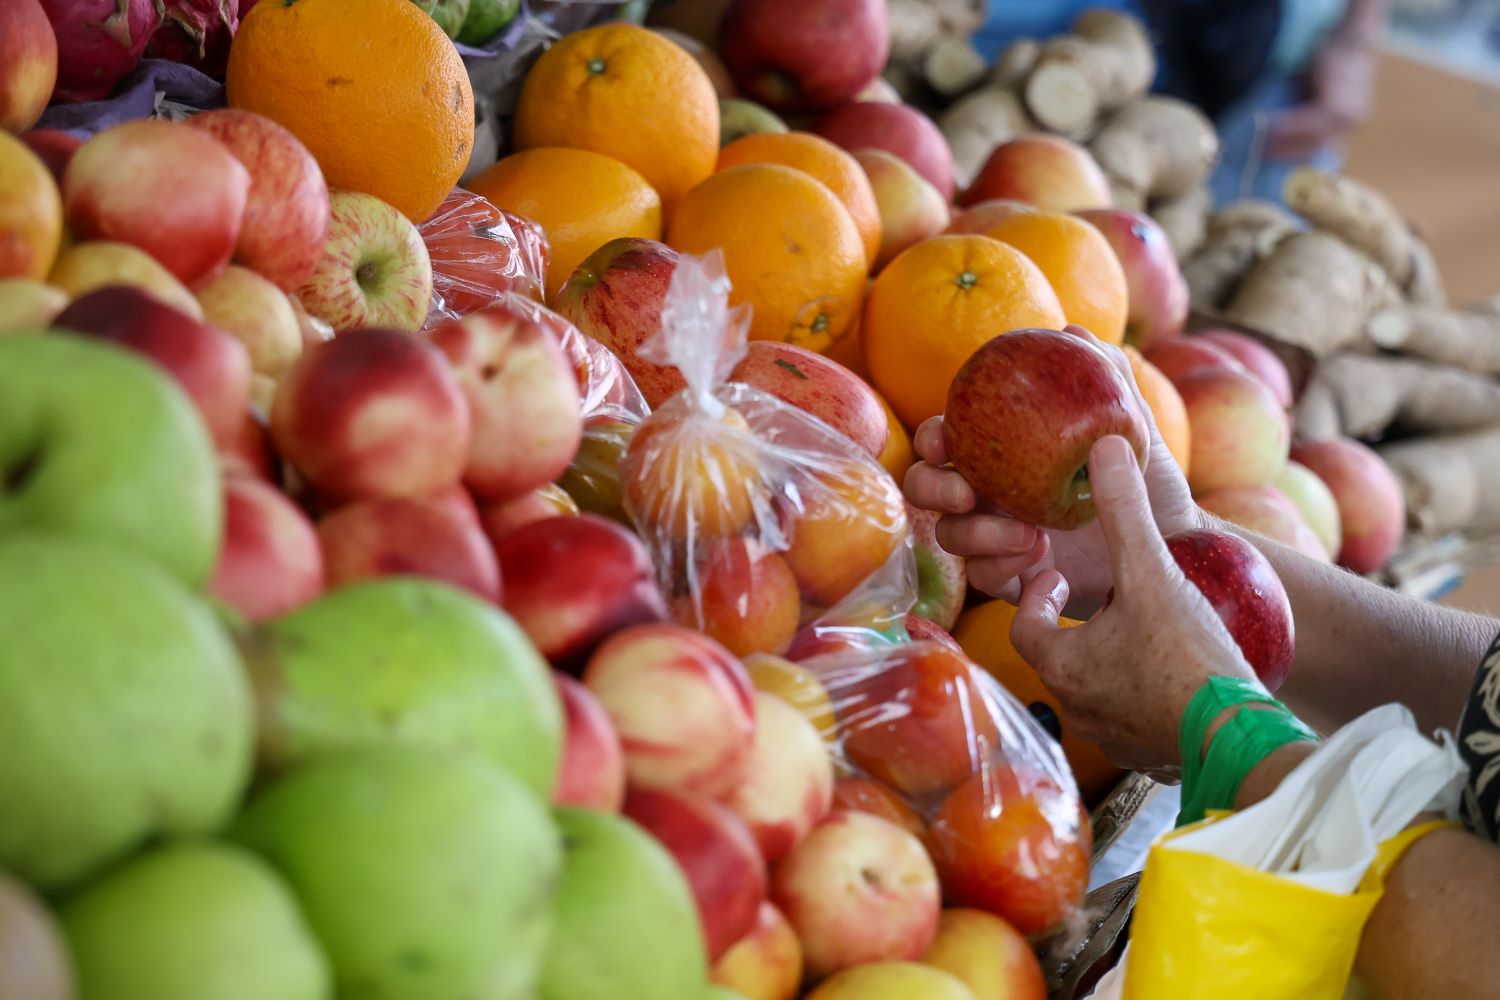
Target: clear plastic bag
point(762, 519)
point(480, 253)
point(926, 739)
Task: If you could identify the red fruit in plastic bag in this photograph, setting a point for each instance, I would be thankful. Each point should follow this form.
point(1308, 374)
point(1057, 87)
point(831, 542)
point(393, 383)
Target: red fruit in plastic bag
point(1011, 842)
point(198, 33)
point(480, 253)
point(746, 598)
point(925, 630)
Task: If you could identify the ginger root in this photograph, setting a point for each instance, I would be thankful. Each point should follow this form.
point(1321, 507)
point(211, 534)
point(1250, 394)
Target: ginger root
point(1016, 63)
point(1185, 220)
point(1158, 146)
point(1460, 338)
point(953, 66)
point(1424, 287)
point(975, 124)
point(1357, 214)
point(1370, 393)
point(1106, 62)
point(1238, 236)
point(1450, 482)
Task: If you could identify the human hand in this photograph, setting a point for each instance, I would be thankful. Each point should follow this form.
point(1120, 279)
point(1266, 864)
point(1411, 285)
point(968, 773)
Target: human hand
point(1003, 554)
point(1341, 89)
point(1125, 677)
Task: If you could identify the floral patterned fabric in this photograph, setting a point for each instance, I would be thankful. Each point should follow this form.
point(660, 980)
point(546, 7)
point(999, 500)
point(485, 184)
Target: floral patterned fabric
point(1479, 742)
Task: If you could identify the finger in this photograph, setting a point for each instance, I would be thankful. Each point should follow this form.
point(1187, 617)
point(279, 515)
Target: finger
point(1035, 630)
point(980, 535)
point(928, 442)
point(1004, 576)
point(943, 490)
point(1136, 549)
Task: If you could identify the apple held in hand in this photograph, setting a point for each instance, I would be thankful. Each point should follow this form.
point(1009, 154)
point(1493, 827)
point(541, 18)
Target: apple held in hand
point(794, 55)
point(1023, 414)
point(1246, 593)
point(592, 775)
point(175, 192)
point(374, 269)
point(270, 562)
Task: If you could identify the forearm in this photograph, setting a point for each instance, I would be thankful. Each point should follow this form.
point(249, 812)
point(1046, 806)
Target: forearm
point(1360, 645)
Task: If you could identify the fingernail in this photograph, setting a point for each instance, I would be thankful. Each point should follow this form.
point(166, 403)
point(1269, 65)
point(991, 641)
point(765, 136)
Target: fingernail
point(1012, 535)
point(1112, 453)
point(951, 494)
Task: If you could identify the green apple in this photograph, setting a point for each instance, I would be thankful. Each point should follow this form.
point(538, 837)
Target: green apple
point(449, 14)
point(739, 118)
point(97, 441)
point(486, 18)
point(34, 962)
point(405, 660)
point(627, 925)
point(124, 712)
point(427, 875)
point(193, 921)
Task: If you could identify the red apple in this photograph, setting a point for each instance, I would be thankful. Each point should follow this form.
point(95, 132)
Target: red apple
point(99, 42)
point(270, 562)
point(526, 418)
point(765, 964)
point(1247, 595)
point(1179, 357)
point(506, 517)
point(911, 209)
point(1010, 842)
point(1158, 292)
point(1023, 414)
point(1268, 511)
point(1371, 505)
point(789, 784)
point(869, 796)
point(1240, 436)
point(1258, 359)
point(1045, 170)
point(715, 852)
point(592, 774)
point(408, 537)
point(817, 385)
point(55, 148)
point(250, 452)
point(373, 269)
point(858, 889)
point(942, 578)
point(479, 253)
point(173, 191)
point(286, 214)
point(919, 723)
point(211, 365)
point(571, 582)
point(372, 414)
point(805, 55)
point(28, 64)
point(682, 704)
point(899, 130)
point(1312, 497)
point(615, 297)
point(926, 630)
point(743, 596)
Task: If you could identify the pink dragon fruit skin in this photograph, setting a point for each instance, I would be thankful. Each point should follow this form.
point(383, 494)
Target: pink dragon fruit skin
point(98, 42)
point(197, 32)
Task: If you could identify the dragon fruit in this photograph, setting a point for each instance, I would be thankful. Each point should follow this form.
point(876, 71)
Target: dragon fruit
point(98, 42)
point(197, 32)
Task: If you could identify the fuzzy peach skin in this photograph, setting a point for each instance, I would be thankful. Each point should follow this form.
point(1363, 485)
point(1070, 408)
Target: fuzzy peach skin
point(408, 537)
point(789, 786)
point(269, 562)
point(592, 773)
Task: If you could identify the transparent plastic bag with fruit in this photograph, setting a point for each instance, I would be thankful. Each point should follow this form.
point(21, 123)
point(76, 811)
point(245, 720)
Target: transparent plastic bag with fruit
point(480, 253)
point(762, 520)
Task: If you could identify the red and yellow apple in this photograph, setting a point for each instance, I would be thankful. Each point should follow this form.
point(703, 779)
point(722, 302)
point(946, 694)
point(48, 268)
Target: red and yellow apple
point(742, 595)
point(892, 981)
point(1179, 357)
point(87, 267)
point(911, 209)
point(1312, 497)
point(408, 537)
point(1258, 359)
point(900, 130)
point(796, 56)
point(819, 386)
point(269, 562)
point(1267, 510)
point(765, 964)
point(373, 269)
point(505, 517)
point(31, 218)
point(592, 773)
point(1158, 292)
point(788, 786)
point(1047, 171)
point(257, 313)
point(28, 64)
point(1240, 436)
point(1372, 508)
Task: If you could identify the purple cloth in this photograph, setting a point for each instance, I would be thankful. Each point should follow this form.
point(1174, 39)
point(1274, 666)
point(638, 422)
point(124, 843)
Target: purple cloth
point(505, 39)
point(135, 97)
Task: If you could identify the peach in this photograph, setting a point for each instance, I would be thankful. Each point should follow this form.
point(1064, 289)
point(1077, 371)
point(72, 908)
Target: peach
point(526, 416)
point(372, 414)
point(990, 956)
point(982, 217)
point(1179, 357)
point(682, 705)
point(1158, 292)
point(269, 562)
point(286, 211)
point(1314, 500)
point(798, 687)
point(56, 148)
point(765, 964)
point(1268, 511)
point(690, 474)
point(715, 852)
point(208, 363)
point(942, 577)
point(175, 192)
point(250, 452)
point(1045, 170)
point(570, 582)
point(1010, 842)
point(911, 209)
point(31, 216)
point(919, 723)
point(789, 785)
point(1258, 359)
point(615, 296)
point(87, 267)
point(28, 64)
point(867, 795)
point(28, 305)
point(900, 130)
point(858, 889)
point(504, 518)
point(1372, 508)
point(743, 596)
point(408, 537)
point(592, 773)
point(258, 314)
point(819, 386)
point(847, 520)
point(1240, 437)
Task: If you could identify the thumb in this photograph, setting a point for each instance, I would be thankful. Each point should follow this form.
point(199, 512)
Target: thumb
point(1042, 601)
point(1136, 547)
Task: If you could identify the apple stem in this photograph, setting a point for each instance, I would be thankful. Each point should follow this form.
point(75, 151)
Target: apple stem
point(15, 478)
point(366, 273)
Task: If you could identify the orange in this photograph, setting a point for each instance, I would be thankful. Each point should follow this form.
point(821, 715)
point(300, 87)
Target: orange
point(628, 93)
point(849, 350)
point(1078, 262)
point(984, 633)
point(1166, 406)
point(939, 302)
point(31, 214)
point(790, 249)
point(899, 454)
point(374, 89)
point(823, 161)
point(582, 200)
